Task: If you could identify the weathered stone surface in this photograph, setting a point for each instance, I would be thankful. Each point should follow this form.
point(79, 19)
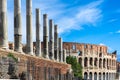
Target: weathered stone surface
point(51, 40)
point(34, 66)
point(17, 26)
point(29, 47)
point(56, 51)
point(38, 41)
point(45, 36)
point(3, 24)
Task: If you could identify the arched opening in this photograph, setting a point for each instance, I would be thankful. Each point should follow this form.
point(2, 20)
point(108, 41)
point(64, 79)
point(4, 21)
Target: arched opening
point(85, 76)
point(100, 63)
point(90, 76)
point(95, 62)
point(106, 76)
point(107, 64)
point(100, 55)
point(85, 62)
point(110, 63)
point(73, 47)
point(104, 62)
point(100, 76)
point(91, 61)
point(103, 76)
point(80, 53)
point(95, 76)
point(80, 60)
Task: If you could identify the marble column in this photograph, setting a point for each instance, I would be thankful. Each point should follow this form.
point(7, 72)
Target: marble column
point(29, 27)
point(45, 36)
point(56, 43)
point(60, 50)
point(3, 24)
point(38, 41)
point(51, 40)
point(17, 26)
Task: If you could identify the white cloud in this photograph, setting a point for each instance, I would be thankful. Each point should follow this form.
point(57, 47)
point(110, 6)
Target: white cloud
point(102, 44)
point(84, 15)
point(66, 18)
point(112, 20)
point(118, 31)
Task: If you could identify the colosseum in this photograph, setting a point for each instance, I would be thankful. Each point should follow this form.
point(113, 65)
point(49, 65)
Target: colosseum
point(96, 62)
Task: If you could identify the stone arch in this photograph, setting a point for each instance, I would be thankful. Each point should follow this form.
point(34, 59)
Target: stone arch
point(95, 76)
point(100, 55)
point(110, 63)
point(95, 62)
point(107, 64)
point(104, 62)
point(85, 76)
point(86, 62)
point(80, 60)
point(100, 76)
point(100, 63)
point(90, 76)
point(106, 76)
point(103, 76)
point(91, 61)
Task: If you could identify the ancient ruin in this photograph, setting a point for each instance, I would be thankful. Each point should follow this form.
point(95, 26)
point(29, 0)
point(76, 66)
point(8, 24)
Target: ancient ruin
point(97, 63)
point(31, 61)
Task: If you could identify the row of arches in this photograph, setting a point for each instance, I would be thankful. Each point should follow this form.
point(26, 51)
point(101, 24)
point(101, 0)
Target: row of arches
point(101, 63)
point(99, 76)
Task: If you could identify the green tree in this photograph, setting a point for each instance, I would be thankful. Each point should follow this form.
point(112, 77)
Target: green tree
point(76, 67)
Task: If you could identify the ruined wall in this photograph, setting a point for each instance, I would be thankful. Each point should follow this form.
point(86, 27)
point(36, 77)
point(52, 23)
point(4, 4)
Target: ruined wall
point(35, 68)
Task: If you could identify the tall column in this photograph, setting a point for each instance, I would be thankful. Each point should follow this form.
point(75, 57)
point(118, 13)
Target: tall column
point(17, 26)
point(29, 26)
point(45, 36)
point(38, 42)
point(64, 56)
point(3, 24)
point(60, 50)
point(56, 43)
point(51, 40)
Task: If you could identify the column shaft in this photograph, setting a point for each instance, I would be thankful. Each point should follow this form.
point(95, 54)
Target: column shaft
point(60, 50)
point(56, 43)
point(64, 56)
point(29, 26)
point(45, 36)
point(17, 26)
point(51, 40)
point(3, 24)
point(38, 41)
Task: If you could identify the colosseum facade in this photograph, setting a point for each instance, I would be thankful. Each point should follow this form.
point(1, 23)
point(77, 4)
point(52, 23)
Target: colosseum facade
point(96, 62)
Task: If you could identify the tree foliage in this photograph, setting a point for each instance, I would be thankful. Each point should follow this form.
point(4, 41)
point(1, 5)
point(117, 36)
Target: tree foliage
point(76, 67)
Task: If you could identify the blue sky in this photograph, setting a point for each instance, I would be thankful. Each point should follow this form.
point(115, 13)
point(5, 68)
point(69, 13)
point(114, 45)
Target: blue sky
point(84, 21)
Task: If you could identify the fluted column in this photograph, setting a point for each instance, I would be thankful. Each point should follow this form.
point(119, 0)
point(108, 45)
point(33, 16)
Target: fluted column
point(51, 40)
point(45, 36)
point(17, 26)
point(29, 26)
point(38, 41)
point(3, 24)
point(60, 50)
point(56, 43)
